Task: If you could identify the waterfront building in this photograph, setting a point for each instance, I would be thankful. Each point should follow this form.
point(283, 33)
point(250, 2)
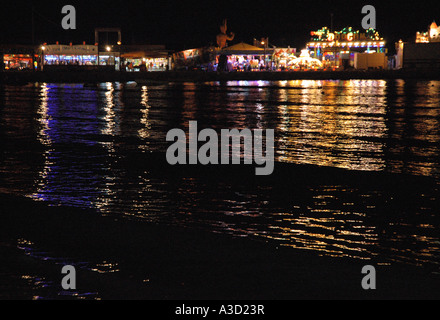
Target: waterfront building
point(191, 59)
point(246, 57)
point(338, 49)
point(18, 57)
point(61, 56)
point(423, 53)
point(432, 35)
point(145, 58)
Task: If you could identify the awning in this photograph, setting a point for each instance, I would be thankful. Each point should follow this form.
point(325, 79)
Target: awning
point(144, 54)
point(137, 54)
point(243, 49)
point(56, 49)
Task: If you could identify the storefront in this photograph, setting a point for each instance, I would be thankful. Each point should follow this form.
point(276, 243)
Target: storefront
point(198, 58)
point(57, 56)
point(337, 49)
point(145, 61)
point(110, 60)
point(18, 58)
point(18, 62)
point(245, 57)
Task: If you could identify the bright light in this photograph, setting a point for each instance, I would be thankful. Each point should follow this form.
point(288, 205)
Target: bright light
point(108, 48)
point(305, 53)
point(43, 48)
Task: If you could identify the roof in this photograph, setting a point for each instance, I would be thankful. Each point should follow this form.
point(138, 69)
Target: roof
point(243, 47)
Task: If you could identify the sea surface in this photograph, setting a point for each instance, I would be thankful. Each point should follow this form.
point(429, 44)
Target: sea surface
point(64, 144)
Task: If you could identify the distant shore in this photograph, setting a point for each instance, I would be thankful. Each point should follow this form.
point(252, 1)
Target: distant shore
point(23, 77)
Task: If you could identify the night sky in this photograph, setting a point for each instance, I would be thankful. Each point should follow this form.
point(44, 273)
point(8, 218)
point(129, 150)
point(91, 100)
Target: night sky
point(186, 24)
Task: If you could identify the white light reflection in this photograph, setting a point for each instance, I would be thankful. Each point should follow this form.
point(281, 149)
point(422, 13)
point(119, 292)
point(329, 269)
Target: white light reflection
point(43, 119)
point(144, 132)
point(111, 128)
point(109, 118)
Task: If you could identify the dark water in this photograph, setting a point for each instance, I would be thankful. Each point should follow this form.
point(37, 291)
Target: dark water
point(64, 144)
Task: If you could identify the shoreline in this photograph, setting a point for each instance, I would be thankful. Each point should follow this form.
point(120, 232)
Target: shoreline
point(23, 77)
point(167, 262)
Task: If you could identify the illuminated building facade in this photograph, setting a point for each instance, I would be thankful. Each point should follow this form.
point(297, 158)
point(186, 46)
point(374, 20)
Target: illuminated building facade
point(145, 57)
point(421, 54)
point(337, 49)
point(18, 57)
point(432, 35)
point(64, 55)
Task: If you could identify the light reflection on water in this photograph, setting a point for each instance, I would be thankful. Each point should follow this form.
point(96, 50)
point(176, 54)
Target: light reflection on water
point(46, 289)
point(63, 144)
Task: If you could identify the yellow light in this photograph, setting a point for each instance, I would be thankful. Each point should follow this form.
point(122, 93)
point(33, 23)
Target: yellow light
point(108, 48)
point(43, 48)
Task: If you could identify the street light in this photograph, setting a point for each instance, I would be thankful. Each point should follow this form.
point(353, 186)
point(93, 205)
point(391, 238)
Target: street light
point(42, 56)
point(264, 43)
